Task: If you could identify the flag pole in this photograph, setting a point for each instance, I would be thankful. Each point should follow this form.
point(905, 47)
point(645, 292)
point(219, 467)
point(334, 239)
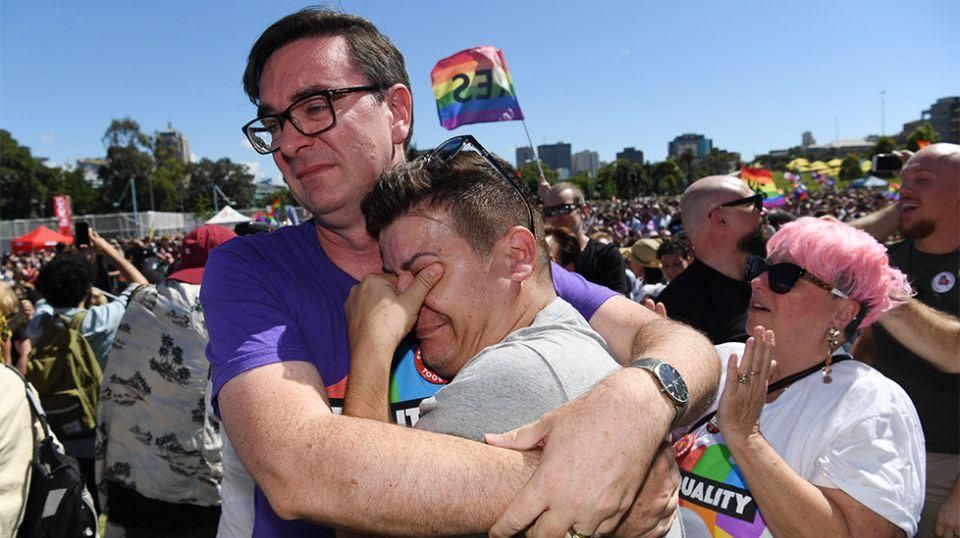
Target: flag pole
point(543, 178)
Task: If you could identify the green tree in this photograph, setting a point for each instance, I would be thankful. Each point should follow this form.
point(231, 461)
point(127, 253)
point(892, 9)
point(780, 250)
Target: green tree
point(884, 144)
point(26, 184)
point(268, 197)
point(234, 179)
point(169, 177)
point(627, 178)
point(716, 163)
point(923, 132)
point(125, 132)
point(530, 175)
point(686, 162)
point(668, 177)
point(850, 167)
point(84, 198)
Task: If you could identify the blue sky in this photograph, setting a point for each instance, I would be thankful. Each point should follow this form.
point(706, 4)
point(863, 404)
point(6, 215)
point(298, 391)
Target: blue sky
point(600, 75)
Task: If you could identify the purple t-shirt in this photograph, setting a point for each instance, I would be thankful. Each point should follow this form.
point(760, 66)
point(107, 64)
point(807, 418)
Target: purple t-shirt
point(275, 297)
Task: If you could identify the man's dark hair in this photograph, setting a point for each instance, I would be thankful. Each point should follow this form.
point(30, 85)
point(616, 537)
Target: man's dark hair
point(673, 246)
point(65, 280)
point(568, 246)
point(482, 205)
point(373, 53)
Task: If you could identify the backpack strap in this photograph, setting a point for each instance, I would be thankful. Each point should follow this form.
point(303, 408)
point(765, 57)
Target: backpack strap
point(76, 320)
point(35, 408)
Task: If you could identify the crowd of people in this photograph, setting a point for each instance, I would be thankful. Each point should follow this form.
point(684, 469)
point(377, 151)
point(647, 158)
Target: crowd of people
point(676, 366)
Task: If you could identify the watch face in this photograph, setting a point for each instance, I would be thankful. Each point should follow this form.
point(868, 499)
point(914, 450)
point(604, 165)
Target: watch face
point(672, 383)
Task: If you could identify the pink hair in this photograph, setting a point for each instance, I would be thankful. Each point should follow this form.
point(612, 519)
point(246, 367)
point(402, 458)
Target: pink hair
point(849, 259)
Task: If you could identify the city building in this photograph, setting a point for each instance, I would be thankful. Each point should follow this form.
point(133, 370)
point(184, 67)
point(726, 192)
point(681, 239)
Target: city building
point(524, 156)
point(172, 143)
point(944, 116)
point(807, 139)
point(556, 156)
point(698, 144)
point(631, 154)
point(586, 161)
point(91, 170)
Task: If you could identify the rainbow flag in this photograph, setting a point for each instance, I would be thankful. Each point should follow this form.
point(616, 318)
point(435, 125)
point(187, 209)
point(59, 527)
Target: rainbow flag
point(893, 191)
point(474, 86)
point(761, 180)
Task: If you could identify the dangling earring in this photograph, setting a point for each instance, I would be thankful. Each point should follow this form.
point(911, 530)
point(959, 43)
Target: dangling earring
point(833, 341)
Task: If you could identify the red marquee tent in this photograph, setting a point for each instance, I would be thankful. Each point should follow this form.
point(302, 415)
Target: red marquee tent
point(39, 239)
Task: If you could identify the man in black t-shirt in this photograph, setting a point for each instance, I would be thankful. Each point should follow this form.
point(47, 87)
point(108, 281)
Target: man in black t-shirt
point(721, 216)
point(929, 212)
point(564, 206)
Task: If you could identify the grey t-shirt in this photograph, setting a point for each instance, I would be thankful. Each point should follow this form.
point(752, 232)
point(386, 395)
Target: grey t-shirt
point(532, 371)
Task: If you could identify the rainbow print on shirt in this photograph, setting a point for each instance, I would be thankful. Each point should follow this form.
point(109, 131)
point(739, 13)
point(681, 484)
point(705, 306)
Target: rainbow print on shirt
point(711, 486)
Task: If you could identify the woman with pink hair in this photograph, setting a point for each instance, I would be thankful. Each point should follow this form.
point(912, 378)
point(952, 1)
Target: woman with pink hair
point(804, 441)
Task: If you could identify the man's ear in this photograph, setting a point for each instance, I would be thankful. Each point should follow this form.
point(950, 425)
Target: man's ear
point(519, 250)
point(400, 102)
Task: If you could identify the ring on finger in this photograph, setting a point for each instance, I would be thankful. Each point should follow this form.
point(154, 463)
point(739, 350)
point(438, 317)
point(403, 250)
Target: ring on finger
point(753, 373)
point(743, 379)
point(574, 534)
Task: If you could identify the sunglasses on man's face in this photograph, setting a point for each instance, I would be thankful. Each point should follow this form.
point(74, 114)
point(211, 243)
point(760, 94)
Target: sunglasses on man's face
point(782, 277)
point(562, 209)
point(756, 200)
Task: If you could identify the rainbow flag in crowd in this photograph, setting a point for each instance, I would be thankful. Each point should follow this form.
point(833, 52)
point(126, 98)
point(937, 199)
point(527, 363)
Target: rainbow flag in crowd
point(474, 86)
point(761, 180)
point(269, 215)
point(893, 191)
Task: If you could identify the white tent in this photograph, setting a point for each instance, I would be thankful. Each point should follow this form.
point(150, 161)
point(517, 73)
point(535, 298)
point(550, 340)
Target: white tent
point(228, 215)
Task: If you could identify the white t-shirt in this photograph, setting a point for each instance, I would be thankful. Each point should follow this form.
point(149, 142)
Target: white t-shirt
point(859, 434)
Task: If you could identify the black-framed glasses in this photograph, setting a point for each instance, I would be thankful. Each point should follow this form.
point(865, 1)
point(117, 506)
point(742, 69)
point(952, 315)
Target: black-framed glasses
point(562, 209)
point(310, 115)
point(784, 276)
point(449, 149)
point(756, 200)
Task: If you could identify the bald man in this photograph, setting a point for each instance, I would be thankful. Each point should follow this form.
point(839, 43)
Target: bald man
point(721, 216)
point(929, 213)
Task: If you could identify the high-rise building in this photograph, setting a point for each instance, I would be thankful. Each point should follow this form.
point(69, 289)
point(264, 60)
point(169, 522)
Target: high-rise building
point(807, 139)
point(172, 143)
point(586, 161)
point(631, 154)
point(944, 117)
point(524, 156)
point(556, 156)
point(697, 144)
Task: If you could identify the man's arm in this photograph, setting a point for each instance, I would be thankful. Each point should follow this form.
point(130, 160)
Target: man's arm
point(588, 486)
point(361, 474)
point(127, 269)
point(929, 333)
point(879, 224)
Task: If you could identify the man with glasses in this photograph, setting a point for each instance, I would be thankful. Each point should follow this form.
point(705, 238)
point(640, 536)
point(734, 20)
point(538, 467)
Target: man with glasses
point(564, 206)
point(336, 113)
point(721, 217)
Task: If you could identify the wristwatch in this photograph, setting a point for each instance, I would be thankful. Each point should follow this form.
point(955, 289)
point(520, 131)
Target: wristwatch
point(671, 384)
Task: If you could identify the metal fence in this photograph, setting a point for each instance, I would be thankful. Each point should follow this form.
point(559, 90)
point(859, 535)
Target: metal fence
point(120, 225)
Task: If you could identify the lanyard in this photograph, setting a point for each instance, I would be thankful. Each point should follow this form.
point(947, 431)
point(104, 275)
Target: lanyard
point(773, 387)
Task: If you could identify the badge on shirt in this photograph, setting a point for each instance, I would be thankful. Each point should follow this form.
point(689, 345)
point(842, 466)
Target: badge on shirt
point(943, 282)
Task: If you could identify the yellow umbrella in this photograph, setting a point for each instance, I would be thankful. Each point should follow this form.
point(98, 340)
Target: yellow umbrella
point(866, 166)
point(818, 165)
point(797, 163)
point(834, 163)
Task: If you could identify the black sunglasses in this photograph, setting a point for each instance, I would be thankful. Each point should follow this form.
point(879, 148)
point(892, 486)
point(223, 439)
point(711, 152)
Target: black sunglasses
point(756, 200)
point(562, 209)
point(450, 148)
point(784, 276)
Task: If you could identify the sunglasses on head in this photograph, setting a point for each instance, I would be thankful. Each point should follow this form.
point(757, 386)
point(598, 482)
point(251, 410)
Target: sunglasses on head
point(449, 149)
point(756, 200)
point(783, 276)
point(562, 209)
